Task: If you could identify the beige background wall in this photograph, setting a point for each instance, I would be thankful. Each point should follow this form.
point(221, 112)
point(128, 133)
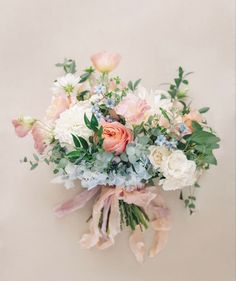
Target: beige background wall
point(154, 38)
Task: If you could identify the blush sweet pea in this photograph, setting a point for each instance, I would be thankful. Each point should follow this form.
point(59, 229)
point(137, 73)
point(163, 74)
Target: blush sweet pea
point(42, 136)
point(116, 136)
point(23, 125)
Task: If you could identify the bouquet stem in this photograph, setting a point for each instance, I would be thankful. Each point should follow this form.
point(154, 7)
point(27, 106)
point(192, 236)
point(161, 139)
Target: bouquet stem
point(133, 215)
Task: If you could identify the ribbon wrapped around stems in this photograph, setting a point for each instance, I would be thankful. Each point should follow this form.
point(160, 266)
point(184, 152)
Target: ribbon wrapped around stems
point(106, 218)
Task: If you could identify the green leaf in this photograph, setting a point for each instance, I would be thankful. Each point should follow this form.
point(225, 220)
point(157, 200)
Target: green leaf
point(164, 113)
point(74, 154)
point(130, 86)
point(196, 126)
point(68, 65)
point(203, 137)
point(191, 206)
point(84, 77)
point(76, 141)
point(83, 143)
point(136, 83)
point(177, 82)
point(99, 132)
point(94, 122)
point(36, 157)
point(210, 159)
point(33, 166)
point(87, 122)
point(81, 95)
point(204, 109)
point(181, 71)
point(185, 82)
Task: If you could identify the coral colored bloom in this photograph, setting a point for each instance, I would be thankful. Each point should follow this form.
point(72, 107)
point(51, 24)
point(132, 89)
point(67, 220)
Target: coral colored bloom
point(42, 136)
point(105, 62)
point(192, 116)
point(132, 108)
point(23, 125)
point(116, 136)
point(58, 105)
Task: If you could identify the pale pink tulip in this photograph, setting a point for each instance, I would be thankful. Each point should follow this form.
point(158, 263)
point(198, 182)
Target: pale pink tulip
point(42, 136)
point(116, 136)
point(23, 125)
point(105, 62)
point(58, 105)
point(132, 108)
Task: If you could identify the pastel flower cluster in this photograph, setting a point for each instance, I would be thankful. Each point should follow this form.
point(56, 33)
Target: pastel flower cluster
point(105, 132)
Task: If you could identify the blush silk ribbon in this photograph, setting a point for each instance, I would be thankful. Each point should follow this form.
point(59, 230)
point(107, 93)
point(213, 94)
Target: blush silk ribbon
point(107, 198)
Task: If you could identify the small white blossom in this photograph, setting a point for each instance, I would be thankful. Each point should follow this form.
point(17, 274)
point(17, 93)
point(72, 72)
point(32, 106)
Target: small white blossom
point(68, 84)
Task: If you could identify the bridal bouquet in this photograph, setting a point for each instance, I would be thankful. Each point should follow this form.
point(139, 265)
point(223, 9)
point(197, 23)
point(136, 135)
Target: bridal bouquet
point(123, 143)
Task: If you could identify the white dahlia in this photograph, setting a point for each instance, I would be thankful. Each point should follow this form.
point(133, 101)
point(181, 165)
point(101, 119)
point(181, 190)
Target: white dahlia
point(71, 122)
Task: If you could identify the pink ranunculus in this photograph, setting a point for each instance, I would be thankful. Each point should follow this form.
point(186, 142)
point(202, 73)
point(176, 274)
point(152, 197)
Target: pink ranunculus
point(42, 136)
point(58, 105)
point(193, 115)
point(132, 108)
point(105, 62)
point(116, 136)
point(23, 125)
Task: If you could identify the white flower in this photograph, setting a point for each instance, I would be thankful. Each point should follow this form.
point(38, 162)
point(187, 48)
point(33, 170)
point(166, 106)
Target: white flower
point(157, 153)
point(155, 99)
point(178, 171)
point(67, 83)
point(71, 122)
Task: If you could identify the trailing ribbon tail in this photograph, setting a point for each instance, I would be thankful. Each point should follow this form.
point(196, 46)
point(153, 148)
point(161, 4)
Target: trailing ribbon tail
point(102, 234)
point(78, 202)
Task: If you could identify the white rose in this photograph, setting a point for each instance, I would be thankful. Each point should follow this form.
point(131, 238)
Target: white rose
point(178, 171)
point(71, 122)
point(157, 153)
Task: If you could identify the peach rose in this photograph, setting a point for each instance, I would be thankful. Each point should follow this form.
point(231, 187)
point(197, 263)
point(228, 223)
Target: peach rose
point(192, 116)
point(116, 136)
point(42, 136)
point(105, 62)
point(132, 108)
point(23, 125)
point(58, 105)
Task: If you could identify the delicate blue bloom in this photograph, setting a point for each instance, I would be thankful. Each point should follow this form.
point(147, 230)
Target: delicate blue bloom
point(100, 89)
point(110, 103)
point(161, 140)
point(183, 128)
point(172, 144)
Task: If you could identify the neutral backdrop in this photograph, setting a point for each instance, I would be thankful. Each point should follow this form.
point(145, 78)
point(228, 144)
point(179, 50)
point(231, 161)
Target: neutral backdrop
point(154, 37)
